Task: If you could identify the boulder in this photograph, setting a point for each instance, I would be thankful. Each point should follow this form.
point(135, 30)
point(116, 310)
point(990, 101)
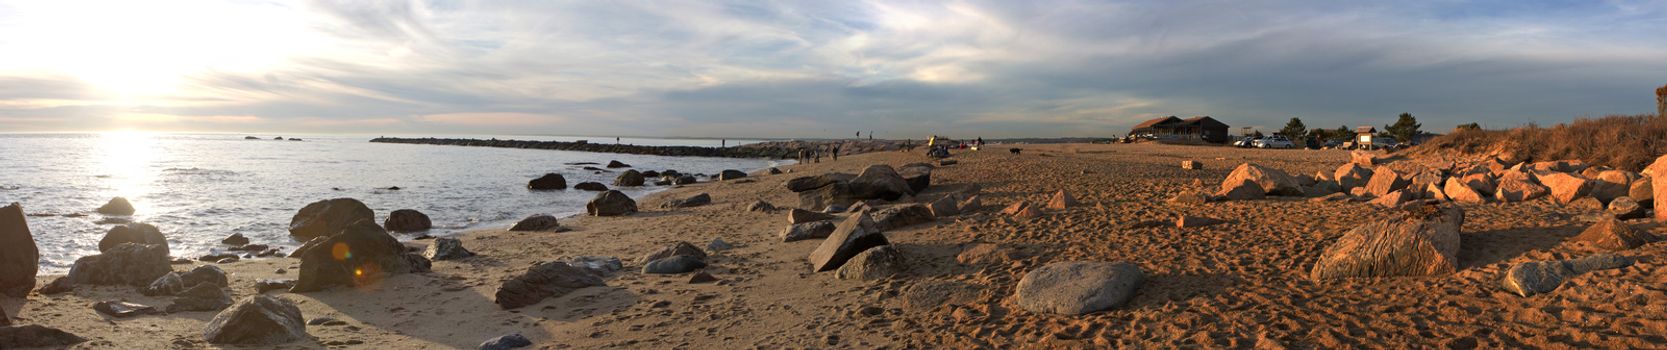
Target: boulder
point(36, 336)
point(718, 244)
point(917, 175)
point(1643, 192)
point(971, 204)
point(674, 249)
point(1395, 199)
point(1586, 203)
point(446, 248)
point(1363, 158)
point(806, 183)
point(833, 195)
point(1271, 181)
point(1321, 188)
point(1245, 190)
point(1061, 201)
point(551, 181)
point(629, 178)
point(872, 264)
point(902, 216)
point(601, 266)
point(539, 222)
point(208, 274)
point(614, 164)
point(1457, 191)
point(544, 280)
point(132, 233)
point(730, 174)
point(1386, 180)
point(1625, 208)
point(117, 206)
point(691, 201)
point(362, 254)
point(59, 285)
point(328, 217)
point(407, 220)
point(1352, 175)
point(761, 207)
point(1434, 192)
point(1189, 197)
point(1611, 184)
point(1658, 185)
point(257, 320)
point(854, 235)
point(506, 342)
point(122, 309)
point(684, 180)
point(799, 216)
point(1421, 240)
point(203, 297)
point(1565, 188)
point(944, 207)
point(879, 181)
point(235, 240)
point(1611, 234)
point(125, 264)
point(1518, 190)
point(1482, 183)
point(1022, 209)
point(807, 230)
point(267, 285)
point(19, 256)
point(674, 265)
point(1075, 288)
point(1189, 221)
point(611, 203)
point(1535, 277)
point(773, 171)
point(591, 186)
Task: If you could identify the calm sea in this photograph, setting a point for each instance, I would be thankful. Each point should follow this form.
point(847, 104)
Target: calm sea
point(200, 188)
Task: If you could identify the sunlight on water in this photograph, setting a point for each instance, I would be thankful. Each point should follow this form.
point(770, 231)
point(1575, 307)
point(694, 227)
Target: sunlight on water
point(125, 157)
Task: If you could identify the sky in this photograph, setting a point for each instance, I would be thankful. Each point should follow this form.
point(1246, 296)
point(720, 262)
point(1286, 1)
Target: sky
point(816, 69)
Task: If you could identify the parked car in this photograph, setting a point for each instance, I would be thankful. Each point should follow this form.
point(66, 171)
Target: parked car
point(1247, 141)
point(1383, 143)
point(1275, 141)
point(1329, 144)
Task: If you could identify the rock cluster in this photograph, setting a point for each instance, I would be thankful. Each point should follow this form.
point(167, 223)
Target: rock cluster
point(407, 220)
point(358, 255)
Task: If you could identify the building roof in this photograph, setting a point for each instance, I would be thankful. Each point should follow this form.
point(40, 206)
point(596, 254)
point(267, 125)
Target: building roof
point(1365, 129)
point(1154, 122)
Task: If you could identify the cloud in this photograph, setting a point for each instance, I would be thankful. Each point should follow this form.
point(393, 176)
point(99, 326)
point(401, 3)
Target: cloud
point(828, 69)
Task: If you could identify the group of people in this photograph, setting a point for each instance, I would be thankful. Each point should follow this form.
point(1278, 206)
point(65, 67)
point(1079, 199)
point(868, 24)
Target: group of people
point(814, 154)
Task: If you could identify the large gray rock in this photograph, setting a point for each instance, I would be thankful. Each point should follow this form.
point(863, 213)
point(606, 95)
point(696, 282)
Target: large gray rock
point(674, 265)
point(1075, 288)
point(837, 194)
point(362, 254)
point(125, 264)
point(539, 222)
point(1271, 181)
point(257, 320)
point(1537, 277)
point(19, 257)
point(1610, 233)
point(591, 186)
point(629, 178)
point(117, 206)
point(506, 342)
point(36, 336)
point(544, 280)
point(611, 203)
point(203, 297)
point(132, 233)
point(806, 183)
point(874, 263)
point(688, 202)
point(1420, 240)
point(902, 216)
point(407, 220)
point(548, 182)
point(1352, 175)
point(1386, 180)
point(917, 175)
point(1625, 208)
point(799, 216)
point(730, 174)
point(807, 230)
point(446, 248)
point(325, 218)
point(854, 235)
point(674, 249)
point(879, 181)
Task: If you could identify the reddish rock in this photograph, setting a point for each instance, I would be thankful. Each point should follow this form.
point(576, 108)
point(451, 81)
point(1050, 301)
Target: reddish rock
point(1245, 190)
point(1421, 240)
point(1611, 234)
point(1565, 188)
point(1272, 181)
point(1062, 200)
point(1516, 190)
point(1386, 180)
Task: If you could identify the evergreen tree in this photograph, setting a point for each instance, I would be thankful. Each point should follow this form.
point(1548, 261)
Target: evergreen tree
point(1294, 129)
point(1471, 126)
point(1404, 129)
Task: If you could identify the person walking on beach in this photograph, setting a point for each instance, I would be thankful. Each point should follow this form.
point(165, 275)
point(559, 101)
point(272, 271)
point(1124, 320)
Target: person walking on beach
point(836, 152)
point(802, 155)
point(816, 154)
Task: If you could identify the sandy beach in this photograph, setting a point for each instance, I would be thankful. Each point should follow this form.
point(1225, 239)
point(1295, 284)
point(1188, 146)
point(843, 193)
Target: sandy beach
point(1243, 283)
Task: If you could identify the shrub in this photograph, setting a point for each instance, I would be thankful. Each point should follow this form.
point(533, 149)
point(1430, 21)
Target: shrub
point(1622, 142)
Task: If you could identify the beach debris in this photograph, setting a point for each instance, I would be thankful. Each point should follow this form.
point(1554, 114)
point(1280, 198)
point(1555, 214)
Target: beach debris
point(614, 164)
point(1611, 234)
point(326, 321)
point(506, 342)
point(1272, 181)
point(1536, 277)
point(360, 255)
point(19, 256)
point(216, 257)
point(871, 264)
point(702, 277)
point(118, 206)
point(1189, 221)
point(257, 320)
point(1625, 208)
point(674, 265)
point(266, 285)
point(773, 171)
point(730, 174)
point(551, 181)
point(878, 181)
point(629, 178)
point(798, 216)
point(696, 200)
point(901, 216)
point(1062, 200)
point(1075, 288)
point(1245, 190)
point(236, 239)
point(543, 280)
point(446, 248)
point(1419, 240)
point(591, 186)
point(611, 203)
point(674, 249)
point(1192, 165)
point(122, 309)
point(1517, 189)
point(852, 236)
point(1565, 188)
point(718, 244)
point(917, 175)
point(761, 207)
point(140, 233)
point(539, 222)
point(202, 297)
point(807, 230)
point(407, 220)
point(125, 264)
point(327, 217)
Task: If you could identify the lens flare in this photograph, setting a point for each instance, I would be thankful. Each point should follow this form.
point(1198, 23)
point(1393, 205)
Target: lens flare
point(341, 251)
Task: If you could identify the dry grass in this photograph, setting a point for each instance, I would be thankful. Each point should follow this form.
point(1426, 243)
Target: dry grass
point(1622, 142)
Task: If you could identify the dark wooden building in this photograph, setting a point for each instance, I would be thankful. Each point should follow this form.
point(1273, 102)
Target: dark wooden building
point(1202, 128)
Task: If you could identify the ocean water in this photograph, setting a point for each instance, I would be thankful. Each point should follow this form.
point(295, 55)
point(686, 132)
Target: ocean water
point(200, 188)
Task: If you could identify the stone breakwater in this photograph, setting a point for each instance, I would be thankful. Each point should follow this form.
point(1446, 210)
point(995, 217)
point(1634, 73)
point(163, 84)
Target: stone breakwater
point(773, 149)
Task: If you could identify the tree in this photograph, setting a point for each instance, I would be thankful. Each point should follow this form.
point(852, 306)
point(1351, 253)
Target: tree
point(1471, 126)
point(1294, 129)
point(1404, 129)
point(1343, 133)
